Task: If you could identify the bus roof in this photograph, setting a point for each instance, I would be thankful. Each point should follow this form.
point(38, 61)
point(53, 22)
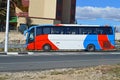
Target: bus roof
point(67, 25)
point(78, 25)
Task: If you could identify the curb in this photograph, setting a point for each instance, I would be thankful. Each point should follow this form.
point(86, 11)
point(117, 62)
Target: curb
point(15, 53)
point(3, 53)
point(57, 53)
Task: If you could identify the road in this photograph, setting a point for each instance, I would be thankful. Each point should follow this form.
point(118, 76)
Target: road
point(43, 62)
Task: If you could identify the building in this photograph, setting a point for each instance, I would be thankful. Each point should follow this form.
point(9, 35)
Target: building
point(117, 33)
point(117, 36)
point(32, 12)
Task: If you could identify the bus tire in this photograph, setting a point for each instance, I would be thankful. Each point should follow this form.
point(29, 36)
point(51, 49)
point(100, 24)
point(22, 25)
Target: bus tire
point(90, 47)
point(46, 47)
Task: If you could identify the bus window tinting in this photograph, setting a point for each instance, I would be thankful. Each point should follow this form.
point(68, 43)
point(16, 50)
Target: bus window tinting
point(73, 30)
point(104, 30)
point(95, 30)
point(87, 30)
point(38, 30)
point(57, 30)
point(46, 30)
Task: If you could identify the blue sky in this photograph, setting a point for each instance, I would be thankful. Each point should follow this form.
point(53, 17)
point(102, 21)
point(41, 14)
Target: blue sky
point(98, 12)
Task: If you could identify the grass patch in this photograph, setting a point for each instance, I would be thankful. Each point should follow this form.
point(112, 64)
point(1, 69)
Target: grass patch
point(115, 71)
point(3, 78)
point(62, 72)
point(56, 73)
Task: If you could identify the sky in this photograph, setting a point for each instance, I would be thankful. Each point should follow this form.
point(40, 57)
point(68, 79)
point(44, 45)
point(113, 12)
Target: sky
point(98, 12)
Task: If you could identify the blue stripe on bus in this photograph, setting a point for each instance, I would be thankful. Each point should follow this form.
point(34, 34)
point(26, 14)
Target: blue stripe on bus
point(92, 39)
point(111, 39)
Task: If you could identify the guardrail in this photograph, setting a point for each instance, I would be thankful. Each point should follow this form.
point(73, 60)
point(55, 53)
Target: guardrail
point(24, 46)
point(14, 45)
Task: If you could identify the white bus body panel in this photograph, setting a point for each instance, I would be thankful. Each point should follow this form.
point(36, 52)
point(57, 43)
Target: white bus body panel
point(68, 41)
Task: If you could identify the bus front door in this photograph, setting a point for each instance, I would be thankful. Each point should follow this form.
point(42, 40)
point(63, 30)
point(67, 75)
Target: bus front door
point(31, 40)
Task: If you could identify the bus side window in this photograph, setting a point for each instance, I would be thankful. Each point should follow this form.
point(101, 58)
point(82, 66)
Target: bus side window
point(67, 30)
point(55, 30)
point(74, 30)
point(108, 30)
point(46, 30)
point(99, 31)
point(92, 31)
point(38, 31)
point(80, 30)
point(71, 30)
point(84, 31)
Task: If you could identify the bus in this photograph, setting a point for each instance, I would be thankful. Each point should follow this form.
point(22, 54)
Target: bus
point(70, 37)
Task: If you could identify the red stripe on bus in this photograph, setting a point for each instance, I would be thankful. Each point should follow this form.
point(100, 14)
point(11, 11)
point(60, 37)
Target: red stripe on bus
point(104, 42)
point(42, 40)
point(31, 46)
point(39, 42)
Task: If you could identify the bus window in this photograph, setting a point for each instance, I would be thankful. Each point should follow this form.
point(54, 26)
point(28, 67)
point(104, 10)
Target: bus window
point(71, 30)
point(80, 30)
point(91, 31)
point(87, 30)
point(38, 31)
point(55, 30)
point(31, 36)
point(108, 30)
point(46, 30)
point(103, 30)
point(74, 30)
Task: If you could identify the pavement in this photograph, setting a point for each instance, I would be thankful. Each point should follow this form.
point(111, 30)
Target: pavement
point(59, 53)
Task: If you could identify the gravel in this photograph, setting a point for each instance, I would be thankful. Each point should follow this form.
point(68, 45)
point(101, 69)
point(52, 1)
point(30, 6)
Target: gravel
point(102, 72)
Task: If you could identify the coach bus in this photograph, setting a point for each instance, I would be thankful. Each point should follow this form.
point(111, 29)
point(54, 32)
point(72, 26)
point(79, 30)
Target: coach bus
point(70, 37)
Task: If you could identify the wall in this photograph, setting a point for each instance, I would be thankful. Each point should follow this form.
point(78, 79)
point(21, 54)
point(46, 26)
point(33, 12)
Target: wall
point(66, 11)
point(13, 37)
point(42, 8)
point(117, 36)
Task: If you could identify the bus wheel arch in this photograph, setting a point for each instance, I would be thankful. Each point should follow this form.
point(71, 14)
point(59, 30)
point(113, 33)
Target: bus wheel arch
point(46, 47)
point(90, 47)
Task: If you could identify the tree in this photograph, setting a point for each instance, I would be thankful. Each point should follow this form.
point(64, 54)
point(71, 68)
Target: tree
point(16, 2)
point(2, 14)
point(3, 5)
point(3, 8)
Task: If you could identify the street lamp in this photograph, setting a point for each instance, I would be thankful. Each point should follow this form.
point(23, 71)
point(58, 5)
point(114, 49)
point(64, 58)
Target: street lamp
point(7, 27)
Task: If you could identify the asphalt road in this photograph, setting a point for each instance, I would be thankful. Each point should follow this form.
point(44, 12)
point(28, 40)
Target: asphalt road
point(43, 62)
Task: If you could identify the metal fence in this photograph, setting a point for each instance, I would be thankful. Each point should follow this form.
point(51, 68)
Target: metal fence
point(22, 46)
point(14, 45)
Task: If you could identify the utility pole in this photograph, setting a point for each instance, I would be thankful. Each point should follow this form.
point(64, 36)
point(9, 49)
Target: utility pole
point(7, 27)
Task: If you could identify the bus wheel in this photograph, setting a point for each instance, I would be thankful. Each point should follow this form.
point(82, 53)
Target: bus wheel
point(90, 47)
point(46, 47)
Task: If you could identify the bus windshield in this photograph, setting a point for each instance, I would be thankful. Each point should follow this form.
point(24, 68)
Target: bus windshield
point(31, 36)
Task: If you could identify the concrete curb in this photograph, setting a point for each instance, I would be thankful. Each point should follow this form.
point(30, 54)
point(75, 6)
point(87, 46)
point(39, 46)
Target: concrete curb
point(57, 53)
point(15, 53)
point(3, 53)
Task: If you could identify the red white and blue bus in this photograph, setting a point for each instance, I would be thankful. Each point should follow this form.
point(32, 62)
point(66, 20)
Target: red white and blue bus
point(70, 37)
